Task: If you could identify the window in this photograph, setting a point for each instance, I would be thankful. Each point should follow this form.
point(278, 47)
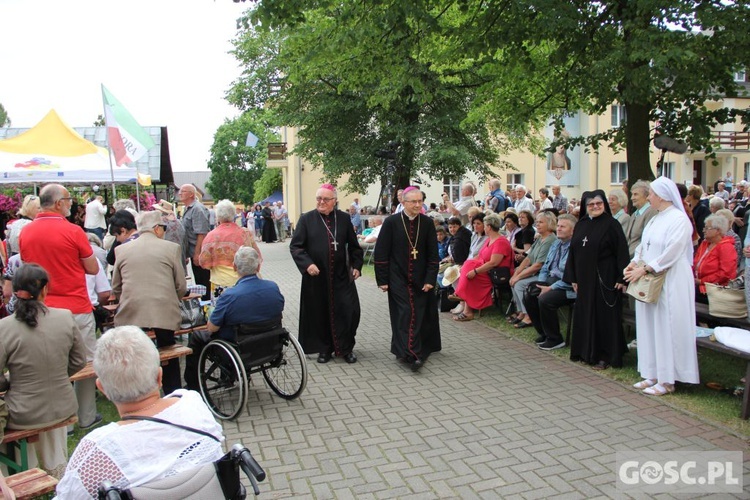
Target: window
point(452, 187)
point(740, 76)
point(514, 179)
point(618, 115)
point(667, 169)
point(619, 171)
point(747, 170)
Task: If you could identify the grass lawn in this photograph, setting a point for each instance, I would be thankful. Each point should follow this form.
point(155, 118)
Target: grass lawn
point(708, 404)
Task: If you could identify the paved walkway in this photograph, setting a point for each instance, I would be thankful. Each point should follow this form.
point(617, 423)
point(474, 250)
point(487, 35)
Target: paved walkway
point(488, 417)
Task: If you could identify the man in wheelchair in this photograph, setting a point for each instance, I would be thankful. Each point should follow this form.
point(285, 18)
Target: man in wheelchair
point(252, 301)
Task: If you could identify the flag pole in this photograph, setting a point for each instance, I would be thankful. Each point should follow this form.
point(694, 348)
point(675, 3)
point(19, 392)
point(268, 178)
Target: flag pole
point(109, 149)
point(137, 192)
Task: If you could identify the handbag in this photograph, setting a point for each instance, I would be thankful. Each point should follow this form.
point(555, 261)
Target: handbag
point(726, 301)
point(191, 313)
point(444, 303)
point(532, 290)
point(499, 276)
point(647, 288)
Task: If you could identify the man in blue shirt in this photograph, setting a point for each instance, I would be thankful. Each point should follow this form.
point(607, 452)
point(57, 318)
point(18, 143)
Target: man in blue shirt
point(251, 301)
point(542, 309)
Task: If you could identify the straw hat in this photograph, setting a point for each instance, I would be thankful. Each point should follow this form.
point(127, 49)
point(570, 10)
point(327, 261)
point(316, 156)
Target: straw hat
point(163, 206)
point(451, 275)
point(147, 220)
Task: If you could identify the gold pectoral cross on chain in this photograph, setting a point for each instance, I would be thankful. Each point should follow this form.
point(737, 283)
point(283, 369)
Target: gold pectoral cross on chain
point(414, 253)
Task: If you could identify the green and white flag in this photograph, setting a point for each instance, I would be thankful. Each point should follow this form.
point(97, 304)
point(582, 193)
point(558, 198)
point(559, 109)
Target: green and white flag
point(128, 140)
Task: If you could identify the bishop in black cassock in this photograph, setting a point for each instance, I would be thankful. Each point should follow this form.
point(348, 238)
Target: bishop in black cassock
point(325, 248)
point(406, 266)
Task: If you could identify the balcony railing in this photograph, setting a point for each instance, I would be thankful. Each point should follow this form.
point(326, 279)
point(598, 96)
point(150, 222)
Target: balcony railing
point(732, 140)
point(277, 150)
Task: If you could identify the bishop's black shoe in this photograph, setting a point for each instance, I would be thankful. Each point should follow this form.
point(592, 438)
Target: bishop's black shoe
point(350, 358)
point(418, 363)
point(324, 357)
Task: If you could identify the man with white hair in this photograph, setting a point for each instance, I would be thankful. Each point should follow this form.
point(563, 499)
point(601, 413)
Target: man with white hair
point(461, 207)
point(722, 192)
point(195, 221)
point(559, 201)
point(716, 203)
point(251, 301)
point(522, 201)
point(149, 280)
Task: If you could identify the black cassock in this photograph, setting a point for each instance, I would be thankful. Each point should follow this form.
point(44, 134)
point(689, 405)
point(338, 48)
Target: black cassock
point(598, 255)
point(329, 305)
point(414, 314)
point(268, 233)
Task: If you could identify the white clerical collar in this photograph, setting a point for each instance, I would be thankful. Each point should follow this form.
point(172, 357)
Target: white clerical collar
point(409, 216)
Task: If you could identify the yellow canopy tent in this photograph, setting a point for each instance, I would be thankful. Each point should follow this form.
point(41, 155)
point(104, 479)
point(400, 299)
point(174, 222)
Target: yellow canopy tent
point(51, 151)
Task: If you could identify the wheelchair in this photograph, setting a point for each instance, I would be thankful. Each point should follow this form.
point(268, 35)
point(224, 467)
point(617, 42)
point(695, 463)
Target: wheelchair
point(219, 479)
point(223, 367)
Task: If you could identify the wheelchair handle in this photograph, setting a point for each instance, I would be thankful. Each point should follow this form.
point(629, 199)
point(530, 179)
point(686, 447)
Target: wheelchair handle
point(107, 491)
point(248, 464)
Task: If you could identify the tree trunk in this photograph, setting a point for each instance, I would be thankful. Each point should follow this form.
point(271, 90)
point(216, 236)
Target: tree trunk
point(638, 142)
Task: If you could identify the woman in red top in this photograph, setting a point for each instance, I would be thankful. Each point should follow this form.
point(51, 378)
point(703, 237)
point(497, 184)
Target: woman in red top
point(715, 260)
point(474, 285)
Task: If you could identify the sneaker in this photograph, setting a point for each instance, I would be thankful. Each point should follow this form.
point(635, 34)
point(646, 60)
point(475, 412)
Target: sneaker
point(97, 421)
point(633, 345)
point(540, 340)
point(551, 345)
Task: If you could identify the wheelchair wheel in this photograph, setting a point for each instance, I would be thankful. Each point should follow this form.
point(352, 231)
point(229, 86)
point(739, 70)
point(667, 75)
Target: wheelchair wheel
point(287, 376)
point(222, 379)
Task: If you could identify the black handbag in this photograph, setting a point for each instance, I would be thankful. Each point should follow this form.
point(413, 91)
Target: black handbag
point(532, 290)
point(500, 276)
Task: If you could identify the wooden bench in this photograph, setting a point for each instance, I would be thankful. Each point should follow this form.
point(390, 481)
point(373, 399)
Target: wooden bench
point(707, 343)
point(702, 316)
point(20, 438)
point(30, 484)
point(165, 354)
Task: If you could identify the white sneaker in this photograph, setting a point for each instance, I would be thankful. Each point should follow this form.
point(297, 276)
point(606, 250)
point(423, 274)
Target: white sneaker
point(633, 345)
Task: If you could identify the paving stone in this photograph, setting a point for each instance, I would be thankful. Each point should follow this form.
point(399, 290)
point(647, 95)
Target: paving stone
point(488, 417)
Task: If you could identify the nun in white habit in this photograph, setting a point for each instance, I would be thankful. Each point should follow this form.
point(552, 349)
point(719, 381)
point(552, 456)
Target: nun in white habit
point(666, 328)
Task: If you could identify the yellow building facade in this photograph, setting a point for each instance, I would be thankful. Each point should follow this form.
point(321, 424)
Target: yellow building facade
point(580, 171)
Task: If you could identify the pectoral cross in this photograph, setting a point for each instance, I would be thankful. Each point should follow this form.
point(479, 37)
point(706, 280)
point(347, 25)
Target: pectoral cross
point(335, 246)
point(585, 239)
point(414, 253)
point(648, 245)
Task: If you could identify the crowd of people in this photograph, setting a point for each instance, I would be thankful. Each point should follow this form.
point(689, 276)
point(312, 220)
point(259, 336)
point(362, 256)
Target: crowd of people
point(553, 253)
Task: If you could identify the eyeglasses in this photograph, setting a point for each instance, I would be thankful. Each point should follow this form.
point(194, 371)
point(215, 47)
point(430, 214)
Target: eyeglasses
point(412, 201)
point(325, 200)
point(706, 228)
point(67, 198)
point(595, 204)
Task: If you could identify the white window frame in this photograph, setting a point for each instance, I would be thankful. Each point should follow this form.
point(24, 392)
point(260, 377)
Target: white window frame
point(747, 170)
point(667, 169)
point(618, 172)
point(619, 115)
point(740, 76)
point(452, 187)
point(513, 179)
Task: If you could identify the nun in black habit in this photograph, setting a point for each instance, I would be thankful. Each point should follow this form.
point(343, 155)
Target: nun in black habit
point(598, 255)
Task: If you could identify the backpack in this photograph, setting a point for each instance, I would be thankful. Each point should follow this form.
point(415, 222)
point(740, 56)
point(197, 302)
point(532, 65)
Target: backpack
point(502, 202)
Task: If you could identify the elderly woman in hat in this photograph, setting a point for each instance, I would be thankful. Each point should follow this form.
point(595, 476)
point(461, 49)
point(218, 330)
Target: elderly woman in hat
point(220, 245)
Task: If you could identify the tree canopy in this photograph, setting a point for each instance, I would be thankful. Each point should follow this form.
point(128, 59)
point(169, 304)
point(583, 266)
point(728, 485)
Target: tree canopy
point(456, 82)
point(234, 166)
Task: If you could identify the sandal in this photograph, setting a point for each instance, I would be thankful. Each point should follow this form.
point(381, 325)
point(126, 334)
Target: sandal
point(659, 390)
point(522, 324)
point(462, 317)
point(601, 365)
point(645, 383)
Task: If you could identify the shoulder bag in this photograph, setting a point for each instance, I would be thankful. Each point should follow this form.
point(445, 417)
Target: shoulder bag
point(648, 288)
point(727, 301)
